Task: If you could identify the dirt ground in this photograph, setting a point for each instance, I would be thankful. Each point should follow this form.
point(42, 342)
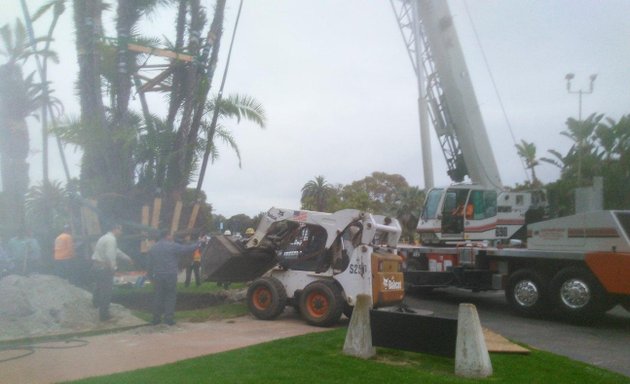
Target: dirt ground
point(185, 301)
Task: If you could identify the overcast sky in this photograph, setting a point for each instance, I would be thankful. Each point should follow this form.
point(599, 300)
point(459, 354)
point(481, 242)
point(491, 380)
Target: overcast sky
point(340, 93)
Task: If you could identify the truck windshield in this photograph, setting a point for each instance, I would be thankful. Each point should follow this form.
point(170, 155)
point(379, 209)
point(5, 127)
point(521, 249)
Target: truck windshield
point(430, 209)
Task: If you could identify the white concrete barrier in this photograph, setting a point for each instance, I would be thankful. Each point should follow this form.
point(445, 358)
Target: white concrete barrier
point(359, 336)
point(471, 354)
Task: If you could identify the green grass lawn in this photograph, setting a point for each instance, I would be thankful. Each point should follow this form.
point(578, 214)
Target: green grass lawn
point(317, 358)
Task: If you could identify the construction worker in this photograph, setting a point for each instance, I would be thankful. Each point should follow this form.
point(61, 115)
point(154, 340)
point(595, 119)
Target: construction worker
point(470, 210)
point(104, 266)
point(24, 252)
point(163, 268)
point(194, 266)
point(64, 254)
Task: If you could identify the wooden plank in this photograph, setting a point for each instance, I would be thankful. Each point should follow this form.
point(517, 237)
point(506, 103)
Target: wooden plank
point(499, 344)
point(193, 216)
point(144, 244)
point(176, 216)
point(145, 215)
point(157, 207)
point(160, 52)
point(155, 82)
point(90, 218)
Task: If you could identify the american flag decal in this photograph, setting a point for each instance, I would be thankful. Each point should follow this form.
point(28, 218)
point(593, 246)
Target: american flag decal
point(299, 216)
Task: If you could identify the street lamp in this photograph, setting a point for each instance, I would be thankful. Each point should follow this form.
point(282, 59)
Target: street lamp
point(568, 78)
point(571, 76)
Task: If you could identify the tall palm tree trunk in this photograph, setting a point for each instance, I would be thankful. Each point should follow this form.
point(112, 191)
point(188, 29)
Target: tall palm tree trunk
point(213, 42)
point(127, 16)
point(14, 141)
point(177, 167)
point(96, 169)
point(179, 70)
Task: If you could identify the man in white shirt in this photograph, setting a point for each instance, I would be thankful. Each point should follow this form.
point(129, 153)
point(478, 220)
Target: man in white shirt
point(104, 266)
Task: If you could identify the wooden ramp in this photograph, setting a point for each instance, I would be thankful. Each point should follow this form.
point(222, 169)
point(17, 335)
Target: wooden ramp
point(499, 344)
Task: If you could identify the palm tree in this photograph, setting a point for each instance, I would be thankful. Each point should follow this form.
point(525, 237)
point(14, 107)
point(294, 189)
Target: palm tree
point(407, 207)
point(193, 91)
point(41, 198)
point(58, 7)
point(19, 98)
point(559, 160)
point(128, 14)
point(315, 194)
point(622, 148)
point(97, 167)
point(580, 131)
point(527, 151)
point(153, 150)
point(107, 164)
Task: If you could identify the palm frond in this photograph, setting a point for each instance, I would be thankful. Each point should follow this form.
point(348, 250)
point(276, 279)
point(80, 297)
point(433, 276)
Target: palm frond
point(42, 10)
point(239, 107)
point(7, 39)
point(70, 132)
point(228, 139)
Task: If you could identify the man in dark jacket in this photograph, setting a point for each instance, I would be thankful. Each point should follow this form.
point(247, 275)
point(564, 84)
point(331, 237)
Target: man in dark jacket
point(163, 269)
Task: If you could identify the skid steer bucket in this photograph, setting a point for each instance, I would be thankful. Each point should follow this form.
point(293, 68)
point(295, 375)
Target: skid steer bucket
point(227, 261)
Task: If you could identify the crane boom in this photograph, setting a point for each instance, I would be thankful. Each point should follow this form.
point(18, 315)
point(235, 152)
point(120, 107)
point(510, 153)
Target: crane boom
point(450, 96)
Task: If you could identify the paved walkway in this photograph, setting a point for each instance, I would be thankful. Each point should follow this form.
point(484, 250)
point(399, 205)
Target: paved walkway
point(144, 347)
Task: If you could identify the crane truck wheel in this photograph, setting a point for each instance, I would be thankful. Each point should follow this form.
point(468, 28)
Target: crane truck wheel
point(266, 298)
point(526, 292)
point(321, 303)
point(577, 294)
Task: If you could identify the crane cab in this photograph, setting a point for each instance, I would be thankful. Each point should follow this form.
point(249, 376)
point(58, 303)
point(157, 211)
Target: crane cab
point(471, 213)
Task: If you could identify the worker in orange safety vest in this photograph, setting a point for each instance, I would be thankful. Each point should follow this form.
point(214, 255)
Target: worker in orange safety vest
point(64, 254)
point(194, 266)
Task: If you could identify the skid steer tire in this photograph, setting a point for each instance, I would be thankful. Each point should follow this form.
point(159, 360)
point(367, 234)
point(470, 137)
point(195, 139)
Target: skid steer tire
point(266, 298)
point(526, 292)
point(578, 295)
point(347, 310)
point(321, 303)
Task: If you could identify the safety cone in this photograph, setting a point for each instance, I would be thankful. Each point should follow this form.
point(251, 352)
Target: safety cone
point(359, 336)
point(471, 354)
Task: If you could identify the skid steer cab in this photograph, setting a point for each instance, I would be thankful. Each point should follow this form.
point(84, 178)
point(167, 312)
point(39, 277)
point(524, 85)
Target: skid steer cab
point(314, 261)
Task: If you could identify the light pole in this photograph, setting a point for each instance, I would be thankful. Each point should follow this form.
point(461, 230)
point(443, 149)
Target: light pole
point(580, 143)
point(570, 77)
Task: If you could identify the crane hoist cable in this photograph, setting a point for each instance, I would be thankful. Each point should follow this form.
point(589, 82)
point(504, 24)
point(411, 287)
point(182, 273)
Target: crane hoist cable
point(494, 85)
